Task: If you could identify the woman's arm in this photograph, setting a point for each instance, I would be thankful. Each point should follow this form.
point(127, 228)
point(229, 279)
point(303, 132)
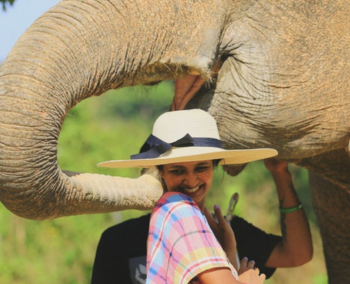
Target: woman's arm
point(296, 246)
point(178, 228)
point(224, 275)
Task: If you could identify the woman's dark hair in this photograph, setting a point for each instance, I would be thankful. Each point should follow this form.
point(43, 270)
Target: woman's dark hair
point(216, 162)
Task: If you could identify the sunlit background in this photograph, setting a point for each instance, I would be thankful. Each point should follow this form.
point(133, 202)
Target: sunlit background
point(111, 127)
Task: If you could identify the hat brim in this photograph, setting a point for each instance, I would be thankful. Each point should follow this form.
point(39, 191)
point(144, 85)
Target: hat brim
point(192, 154)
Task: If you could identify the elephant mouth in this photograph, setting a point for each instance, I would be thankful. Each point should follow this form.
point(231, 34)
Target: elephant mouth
point(188, 86)
point(185, 89)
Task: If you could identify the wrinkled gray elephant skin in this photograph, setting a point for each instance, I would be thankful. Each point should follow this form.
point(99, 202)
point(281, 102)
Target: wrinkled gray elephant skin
point(279, 77)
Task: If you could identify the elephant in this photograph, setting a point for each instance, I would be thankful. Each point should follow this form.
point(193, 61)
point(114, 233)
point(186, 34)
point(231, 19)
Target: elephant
point(273, 74)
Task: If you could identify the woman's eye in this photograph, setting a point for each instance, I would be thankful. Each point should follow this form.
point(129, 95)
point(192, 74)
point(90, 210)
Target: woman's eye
point(177, 172)
point(202, 169)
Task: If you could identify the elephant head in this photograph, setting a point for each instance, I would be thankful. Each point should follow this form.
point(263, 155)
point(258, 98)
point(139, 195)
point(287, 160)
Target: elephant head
point(276, 75)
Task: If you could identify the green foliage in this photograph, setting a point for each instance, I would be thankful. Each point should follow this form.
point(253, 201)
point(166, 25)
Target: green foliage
point(6, 2)
point(114, 126)
point(111, 127)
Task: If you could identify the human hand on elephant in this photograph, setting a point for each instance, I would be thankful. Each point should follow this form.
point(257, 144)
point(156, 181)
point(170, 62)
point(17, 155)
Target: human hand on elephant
point(276, 166)
point(296, 245)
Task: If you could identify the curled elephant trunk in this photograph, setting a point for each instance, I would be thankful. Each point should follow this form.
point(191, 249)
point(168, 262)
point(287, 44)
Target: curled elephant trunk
point(80, 49)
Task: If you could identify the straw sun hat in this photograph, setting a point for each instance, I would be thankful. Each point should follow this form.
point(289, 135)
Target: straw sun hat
point(184, 136)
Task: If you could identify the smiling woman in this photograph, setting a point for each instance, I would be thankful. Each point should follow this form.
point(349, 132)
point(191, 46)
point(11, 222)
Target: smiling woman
point(181, 247)
point(282, 83)
point(192, 178)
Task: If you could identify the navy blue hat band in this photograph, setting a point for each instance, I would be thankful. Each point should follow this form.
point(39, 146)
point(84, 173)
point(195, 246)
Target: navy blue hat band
point(154, 147)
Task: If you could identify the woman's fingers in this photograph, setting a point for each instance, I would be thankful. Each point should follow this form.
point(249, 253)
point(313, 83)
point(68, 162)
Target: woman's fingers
point(274, 165)
point(218, 213)
point(252, 276)
point(246, 265)
point(243, 267)
point(262, 275)
point(244, 262)
point(221, 219)
point(251, 264)
point(223, 233)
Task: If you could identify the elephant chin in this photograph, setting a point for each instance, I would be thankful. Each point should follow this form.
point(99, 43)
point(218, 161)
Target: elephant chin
point(234, 170)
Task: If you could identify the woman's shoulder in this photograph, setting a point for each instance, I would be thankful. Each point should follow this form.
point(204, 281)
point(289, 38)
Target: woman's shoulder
point(170, 198)
point(177, 205)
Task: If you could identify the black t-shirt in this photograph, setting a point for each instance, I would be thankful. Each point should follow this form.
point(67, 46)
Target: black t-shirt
point(121, 252)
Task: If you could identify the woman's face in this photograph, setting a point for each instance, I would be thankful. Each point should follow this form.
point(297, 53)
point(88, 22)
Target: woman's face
point(191, 178)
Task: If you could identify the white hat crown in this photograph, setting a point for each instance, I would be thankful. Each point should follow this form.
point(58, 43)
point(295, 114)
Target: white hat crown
point(174, 125)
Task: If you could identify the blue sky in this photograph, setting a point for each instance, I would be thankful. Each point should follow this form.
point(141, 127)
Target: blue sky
point(17, 19)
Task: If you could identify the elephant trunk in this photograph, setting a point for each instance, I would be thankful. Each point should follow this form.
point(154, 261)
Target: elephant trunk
point(76, 50)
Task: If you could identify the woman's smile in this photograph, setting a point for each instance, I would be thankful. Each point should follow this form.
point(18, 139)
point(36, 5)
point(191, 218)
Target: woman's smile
point(191, 178)
point(191, 190)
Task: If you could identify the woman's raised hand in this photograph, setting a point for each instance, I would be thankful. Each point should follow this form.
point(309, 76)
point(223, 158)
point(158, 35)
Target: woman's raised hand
point(245, 265)
point(224, 234)
point(276, 166)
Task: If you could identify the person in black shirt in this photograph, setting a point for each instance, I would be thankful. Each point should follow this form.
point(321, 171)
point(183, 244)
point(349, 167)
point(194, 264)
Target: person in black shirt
point(121, 252)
